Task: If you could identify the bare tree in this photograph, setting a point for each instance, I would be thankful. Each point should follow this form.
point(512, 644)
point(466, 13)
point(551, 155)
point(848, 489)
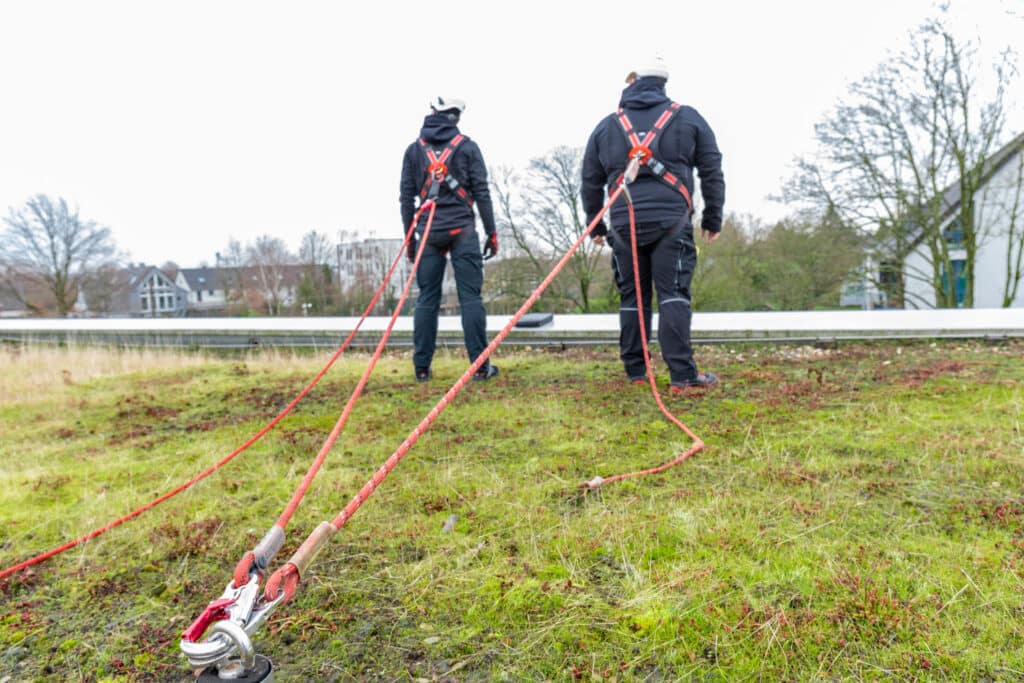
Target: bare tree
point(518, 272)
point(542, 213)
point(49, 243)
point(231, 271)
point(101, 285)
point(315, 253)
point(267, 257)
point(905, 157)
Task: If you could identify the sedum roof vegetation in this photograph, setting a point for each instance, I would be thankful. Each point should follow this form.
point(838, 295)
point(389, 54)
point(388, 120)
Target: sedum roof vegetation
point(857, 515)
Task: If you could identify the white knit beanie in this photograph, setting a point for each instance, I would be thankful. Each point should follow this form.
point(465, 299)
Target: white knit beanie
point(440, 104)
point(655, 66)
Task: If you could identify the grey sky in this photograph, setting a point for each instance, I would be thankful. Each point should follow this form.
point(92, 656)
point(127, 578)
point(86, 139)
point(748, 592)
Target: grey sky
point(181, 124)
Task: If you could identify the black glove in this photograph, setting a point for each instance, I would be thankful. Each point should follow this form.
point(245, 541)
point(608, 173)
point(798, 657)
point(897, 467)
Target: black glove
point(491, 246)
point(600, 230)
point(410, 250)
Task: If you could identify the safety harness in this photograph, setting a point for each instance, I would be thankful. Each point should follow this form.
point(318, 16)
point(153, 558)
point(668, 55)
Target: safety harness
point(643, 152)
point(437, 171)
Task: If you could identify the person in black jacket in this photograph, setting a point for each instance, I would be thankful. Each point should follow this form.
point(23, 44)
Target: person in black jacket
point(447, 167)
point(674, 140)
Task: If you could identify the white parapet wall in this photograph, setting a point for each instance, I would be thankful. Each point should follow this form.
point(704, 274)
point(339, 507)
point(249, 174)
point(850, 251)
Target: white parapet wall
point(563, 328)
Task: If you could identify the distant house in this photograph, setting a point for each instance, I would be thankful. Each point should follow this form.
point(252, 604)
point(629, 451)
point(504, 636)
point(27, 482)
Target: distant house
point(270, 288)
point(143, 292)
point(111, 291)
point(205, 288)
point(1002, 190)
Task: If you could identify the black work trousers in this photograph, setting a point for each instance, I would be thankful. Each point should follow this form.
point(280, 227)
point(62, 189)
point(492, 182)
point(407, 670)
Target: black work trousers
point(667, 256)
point(463, 246)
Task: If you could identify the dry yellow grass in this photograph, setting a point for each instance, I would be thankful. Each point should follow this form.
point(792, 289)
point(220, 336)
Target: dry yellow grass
point(38, 371)
point(27, 371)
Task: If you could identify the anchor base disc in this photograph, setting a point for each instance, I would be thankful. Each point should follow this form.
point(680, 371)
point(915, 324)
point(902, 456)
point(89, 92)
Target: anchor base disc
point(262, 672)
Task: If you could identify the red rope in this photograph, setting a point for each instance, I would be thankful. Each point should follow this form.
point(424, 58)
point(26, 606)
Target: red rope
point(698, 444)
point(42, 557)
point(314, 467)
point(396, 457)
point(287, 576)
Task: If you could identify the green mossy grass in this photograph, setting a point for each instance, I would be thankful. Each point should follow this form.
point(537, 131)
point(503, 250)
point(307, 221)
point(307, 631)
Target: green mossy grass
point(858, 515)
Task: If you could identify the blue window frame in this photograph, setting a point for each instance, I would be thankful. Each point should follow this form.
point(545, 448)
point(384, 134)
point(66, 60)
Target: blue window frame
point(954, 234)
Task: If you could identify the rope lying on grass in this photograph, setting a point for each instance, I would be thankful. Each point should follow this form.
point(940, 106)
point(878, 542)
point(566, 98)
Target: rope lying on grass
point(253, 559)
point(698, 445)
point(42, 557)
point(287, 577)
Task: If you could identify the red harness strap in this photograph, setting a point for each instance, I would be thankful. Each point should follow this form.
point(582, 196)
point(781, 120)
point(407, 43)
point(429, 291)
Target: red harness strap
point(437, 171)
point(642, 150)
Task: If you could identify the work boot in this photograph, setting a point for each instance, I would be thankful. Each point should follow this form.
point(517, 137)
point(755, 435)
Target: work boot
point(703, 380)
point(639, 379)
point(423, 374)
point(485, 372)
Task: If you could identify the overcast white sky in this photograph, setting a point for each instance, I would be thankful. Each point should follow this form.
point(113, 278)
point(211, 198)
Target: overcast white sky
point(181, 124)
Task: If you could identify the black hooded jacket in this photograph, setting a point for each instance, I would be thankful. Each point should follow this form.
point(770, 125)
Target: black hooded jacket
point(466, 165)
point(686, 143)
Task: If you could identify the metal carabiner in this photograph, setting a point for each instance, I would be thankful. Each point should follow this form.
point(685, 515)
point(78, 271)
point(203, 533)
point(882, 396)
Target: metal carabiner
point(235, 605)
point(229, 623)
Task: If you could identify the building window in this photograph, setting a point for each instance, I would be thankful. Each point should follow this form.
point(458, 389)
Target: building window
point(888, 274)
point(145, 303)
point(199, 295)
point(954, 234)
point(890, 281)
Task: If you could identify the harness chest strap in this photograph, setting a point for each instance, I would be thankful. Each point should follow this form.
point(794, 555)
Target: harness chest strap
point(437, 171)
point(642, 149)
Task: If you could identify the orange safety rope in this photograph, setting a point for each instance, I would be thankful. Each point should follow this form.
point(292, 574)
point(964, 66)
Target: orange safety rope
point(42, 557)
point(300, 492)
point(243, 570)
point(697, 443)
point(287, 577)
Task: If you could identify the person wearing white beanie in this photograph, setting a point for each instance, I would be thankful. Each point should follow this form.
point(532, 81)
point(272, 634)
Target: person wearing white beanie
point(445, 166)
point(654, 67)
point(670, 141)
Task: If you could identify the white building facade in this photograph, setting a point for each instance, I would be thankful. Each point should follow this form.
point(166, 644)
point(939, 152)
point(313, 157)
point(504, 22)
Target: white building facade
point(999, 206)
point(365, 263)
point(203, 287)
